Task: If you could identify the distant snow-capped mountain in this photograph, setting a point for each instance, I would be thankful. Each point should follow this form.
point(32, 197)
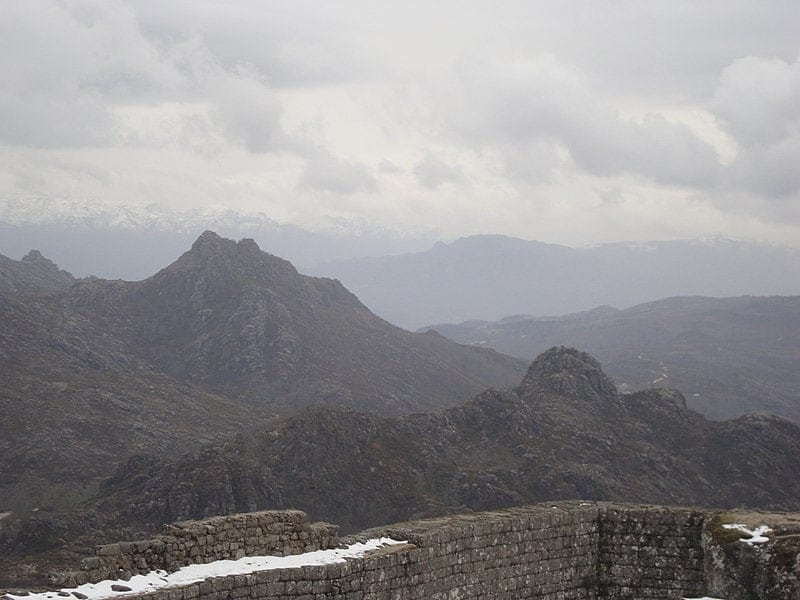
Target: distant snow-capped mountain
point(134, 241)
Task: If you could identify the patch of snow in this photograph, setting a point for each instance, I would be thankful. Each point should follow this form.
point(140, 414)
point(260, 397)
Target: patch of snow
point(704, 598)
point(756, 535)
point(154, 580)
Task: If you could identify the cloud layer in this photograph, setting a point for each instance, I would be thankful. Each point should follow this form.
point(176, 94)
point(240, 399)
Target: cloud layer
point(573, 122)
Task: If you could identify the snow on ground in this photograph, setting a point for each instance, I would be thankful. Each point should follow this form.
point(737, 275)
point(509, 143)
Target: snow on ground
point(756, 535)
point(194, 573)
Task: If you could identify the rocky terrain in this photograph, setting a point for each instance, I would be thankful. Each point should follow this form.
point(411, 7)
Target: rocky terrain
point(32, 275)
point(94, 371)
point(564, 432)
point(730, 356)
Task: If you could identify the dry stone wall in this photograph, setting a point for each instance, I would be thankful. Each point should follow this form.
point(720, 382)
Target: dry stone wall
point(270, 533)
point(564, 551)
point(650, 552)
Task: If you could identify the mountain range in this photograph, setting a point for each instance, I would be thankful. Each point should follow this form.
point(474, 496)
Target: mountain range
point(564, 432)
point(229, 382)
point(490, 277)
point(729, 355)
point(94, 371)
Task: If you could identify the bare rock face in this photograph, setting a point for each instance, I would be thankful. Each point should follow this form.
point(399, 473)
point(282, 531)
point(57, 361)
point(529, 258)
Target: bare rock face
point(569, 372)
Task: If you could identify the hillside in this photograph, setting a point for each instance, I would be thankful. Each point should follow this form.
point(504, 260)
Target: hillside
point(729, 355)
point(490, 277)
point(564, 432)
point(96, 371)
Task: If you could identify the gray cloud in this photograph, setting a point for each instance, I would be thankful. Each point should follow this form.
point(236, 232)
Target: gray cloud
point(326, 172)
point(759, 99)
point(248, 112)
point(291, 44)
point(542, 101)
point(276, 101)
point(432, 172)
point(772, 170)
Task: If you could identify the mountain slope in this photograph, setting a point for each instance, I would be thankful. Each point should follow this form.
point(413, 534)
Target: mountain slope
point(98, 371)
point(244, 323)
point(491, 276)
point(565, 432)
point(75, 402)
point(730, 355)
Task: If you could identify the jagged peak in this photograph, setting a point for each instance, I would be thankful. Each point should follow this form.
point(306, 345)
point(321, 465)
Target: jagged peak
point(223, 260)
point(210, 240)
point(569, 372)
point(35, 257)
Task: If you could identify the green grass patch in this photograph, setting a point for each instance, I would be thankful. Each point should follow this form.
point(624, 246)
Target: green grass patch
point(720, 534)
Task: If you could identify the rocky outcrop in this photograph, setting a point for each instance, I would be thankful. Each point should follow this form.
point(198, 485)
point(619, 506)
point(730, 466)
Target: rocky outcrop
point(502, 448)
point(568, 372)
point(34, 274)
point(730, 356)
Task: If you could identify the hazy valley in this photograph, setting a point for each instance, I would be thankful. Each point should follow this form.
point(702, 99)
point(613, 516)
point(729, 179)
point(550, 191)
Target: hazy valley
point(729, 356)
point(491, 277)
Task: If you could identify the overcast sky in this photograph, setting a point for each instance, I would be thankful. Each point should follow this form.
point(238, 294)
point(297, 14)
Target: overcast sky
point(570, 122)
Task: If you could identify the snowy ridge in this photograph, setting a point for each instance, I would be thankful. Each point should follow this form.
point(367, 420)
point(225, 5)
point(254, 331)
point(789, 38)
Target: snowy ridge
point(34, 210)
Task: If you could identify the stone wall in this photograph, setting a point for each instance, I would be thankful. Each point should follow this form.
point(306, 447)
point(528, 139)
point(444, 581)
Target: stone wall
point(562, 551)
point(275, 533)
point(651, 552)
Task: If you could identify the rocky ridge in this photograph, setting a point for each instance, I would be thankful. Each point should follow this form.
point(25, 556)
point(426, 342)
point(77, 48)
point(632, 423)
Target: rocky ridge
point(34, 274)
point(565, 432)
point(730, 356)
point(93, 371)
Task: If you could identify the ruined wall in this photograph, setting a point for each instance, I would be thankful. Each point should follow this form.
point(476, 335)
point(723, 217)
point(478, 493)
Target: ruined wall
point(562, 551)
point(568, 551)
point(271, 533)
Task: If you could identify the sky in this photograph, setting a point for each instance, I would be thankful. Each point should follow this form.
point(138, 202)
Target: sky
point(566, 121)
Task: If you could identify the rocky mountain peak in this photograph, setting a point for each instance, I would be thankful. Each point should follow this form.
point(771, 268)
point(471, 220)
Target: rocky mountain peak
point(568, 372)
point(209, 240)
point(33, 274)
point(34, 257)
point(228, 258)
